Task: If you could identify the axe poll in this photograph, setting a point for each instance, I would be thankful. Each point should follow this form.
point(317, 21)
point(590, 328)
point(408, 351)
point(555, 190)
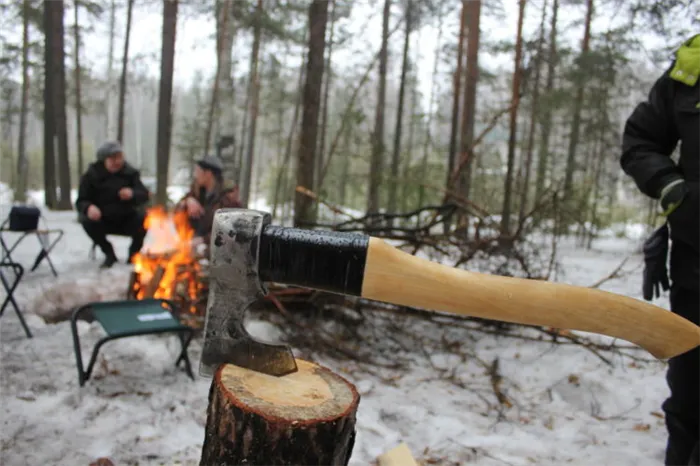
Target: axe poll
point(246, 251)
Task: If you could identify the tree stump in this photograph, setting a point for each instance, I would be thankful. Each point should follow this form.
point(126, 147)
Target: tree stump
point(304, 418)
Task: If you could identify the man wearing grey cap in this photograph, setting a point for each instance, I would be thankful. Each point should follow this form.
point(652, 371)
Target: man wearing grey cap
point(109, 199)
point(207, 194)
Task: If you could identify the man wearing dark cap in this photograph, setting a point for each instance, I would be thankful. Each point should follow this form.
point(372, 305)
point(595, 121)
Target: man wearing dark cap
point(110, 198)
point(207, 194)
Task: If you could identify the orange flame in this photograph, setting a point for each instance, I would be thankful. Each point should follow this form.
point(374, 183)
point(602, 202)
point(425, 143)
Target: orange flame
point(167, 245)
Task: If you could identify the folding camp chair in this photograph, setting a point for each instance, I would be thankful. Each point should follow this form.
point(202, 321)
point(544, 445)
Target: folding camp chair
point(41, 235)
point(10, 289)
point(129, 318)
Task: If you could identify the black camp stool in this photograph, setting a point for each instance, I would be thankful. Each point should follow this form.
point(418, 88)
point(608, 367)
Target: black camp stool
point(10, 288)
point(130, 318)
point(24, 220)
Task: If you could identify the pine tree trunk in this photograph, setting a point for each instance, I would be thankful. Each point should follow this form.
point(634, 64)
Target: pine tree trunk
point(345, 167)
point(534, 112)
point(377, 158)
point(165, 96)
point(318, 18)
point(470, 88)
point(227, 126)
point(408, 161)
point(326, 94)
point(254, 93)
point(78, 97)
point(109, 133)
point(122, 80)
point(307, 417)
point(578, 105)
point(546, 122)
point(64, 202)
point(517, 74)
point(398, 131)
point(222, 19)
point(49, 107)
point(457, 89)
point(22, 161)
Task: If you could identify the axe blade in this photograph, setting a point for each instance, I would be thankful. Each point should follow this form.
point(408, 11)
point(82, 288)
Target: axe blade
point(234, 285)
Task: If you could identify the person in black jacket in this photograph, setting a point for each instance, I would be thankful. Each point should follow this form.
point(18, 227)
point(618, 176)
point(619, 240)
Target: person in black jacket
point(670, 115)
point(110, 198)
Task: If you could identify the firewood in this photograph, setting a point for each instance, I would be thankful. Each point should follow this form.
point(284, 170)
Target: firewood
point(307, 417)
point(132, 290)
point(154, 283)
point(397, 456)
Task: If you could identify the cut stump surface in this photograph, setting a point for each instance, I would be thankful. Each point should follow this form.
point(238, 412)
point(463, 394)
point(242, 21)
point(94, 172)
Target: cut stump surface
point(304, 418)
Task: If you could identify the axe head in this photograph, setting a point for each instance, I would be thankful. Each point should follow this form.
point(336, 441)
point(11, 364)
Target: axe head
point(234, 285)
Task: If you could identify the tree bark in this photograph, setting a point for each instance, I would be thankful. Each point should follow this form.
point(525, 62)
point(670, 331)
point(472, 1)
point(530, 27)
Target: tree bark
point(307, 417)
point(49, 119)
point(324, 117)
point(376, 163)
point(221, 41)
point(578, 105)
point(22, 161)
point(318, 17)
point(546, 122)
point(457, 87)
point(534, 113)
point(473, 21)
point(110, 67)
point(226, 111)
point(254, 94)
point(396, 155)
point(122, 80)
point(78, 99)
point(165, 95)
point(517, 74)
point(59, 98)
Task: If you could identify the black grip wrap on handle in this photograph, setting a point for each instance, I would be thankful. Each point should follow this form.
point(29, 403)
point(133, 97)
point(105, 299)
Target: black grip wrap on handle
point(319, 259)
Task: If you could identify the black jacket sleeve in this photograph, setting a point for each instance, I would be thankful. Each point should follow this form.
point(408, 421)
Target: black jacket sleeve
point(649, 138)
point(140, 192)
point(85, 194)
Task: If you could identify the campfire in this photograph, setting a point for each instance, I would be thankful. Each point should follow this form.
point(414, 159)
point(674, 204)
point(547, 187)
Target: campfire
point(167, 266)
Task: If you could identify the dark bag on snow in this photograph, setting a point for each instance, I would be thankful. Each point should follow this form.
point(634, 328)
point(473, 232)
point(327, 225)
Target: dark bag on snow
point(24, 218)
point(655, 270)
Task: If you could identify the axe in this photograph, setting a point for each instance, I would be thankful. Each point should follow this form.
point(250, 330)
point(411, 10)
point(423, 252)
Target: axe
point(247, 250)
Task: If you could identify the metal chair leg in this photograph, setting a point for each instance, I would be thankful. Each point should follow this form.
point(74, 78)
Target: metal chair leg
point(10, 299)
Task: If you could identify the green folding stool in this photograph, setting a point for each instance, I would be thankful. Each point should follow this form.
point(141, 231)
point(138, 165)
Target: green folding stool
point(129, 318)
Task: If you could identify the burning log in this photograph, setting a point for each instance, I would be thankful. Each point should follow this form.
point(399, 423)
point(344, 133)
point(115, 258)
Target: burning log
point(133, 288)
point(154, 283)
point(307, 417)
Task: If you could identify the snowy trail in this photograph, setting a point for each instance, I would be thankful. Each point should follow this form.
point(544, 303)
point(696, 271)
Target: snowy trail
point(139, 409)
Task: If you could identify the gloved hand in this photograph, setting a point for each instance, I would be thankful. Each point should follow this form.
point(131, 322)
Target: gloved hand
point(685, 219)
point(655, 271)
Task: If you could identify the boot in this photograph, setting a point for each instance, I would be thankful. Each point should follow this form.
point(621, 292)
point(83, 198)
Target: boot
point(110, 257)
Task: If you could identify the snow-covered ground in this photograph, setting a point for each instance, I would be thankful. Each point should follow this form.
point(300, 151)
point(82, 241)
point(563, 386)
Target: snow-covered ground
point(569, 406)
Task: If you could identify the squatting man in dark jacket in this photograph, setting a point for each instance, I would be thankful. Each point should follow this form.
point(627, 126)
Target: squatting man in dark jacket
point(110, 200)
point(670, 115)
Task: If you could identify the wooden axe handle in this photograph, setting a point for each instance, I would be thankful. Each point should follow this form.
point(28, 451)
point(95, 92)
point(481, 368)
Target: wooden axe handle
point(394, 276)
